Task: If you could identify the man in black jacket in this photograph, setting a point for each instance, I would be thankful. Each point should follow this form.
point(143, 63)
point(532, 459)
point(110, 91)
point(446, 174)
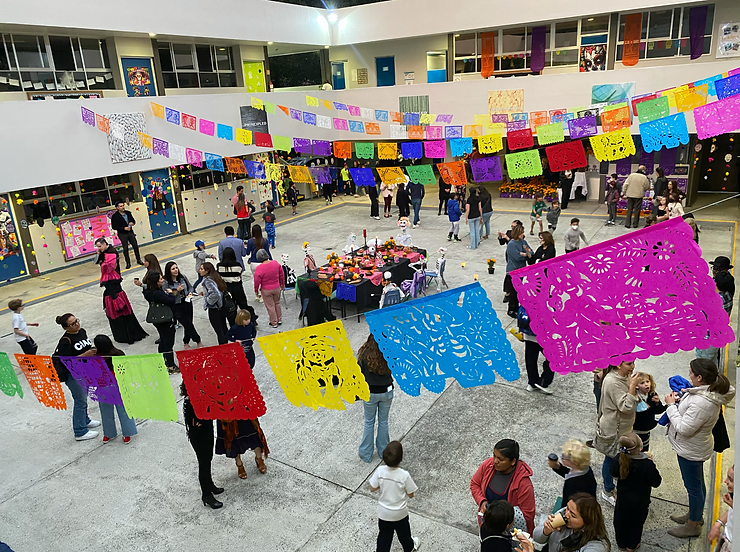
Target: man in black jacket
point(123, 222)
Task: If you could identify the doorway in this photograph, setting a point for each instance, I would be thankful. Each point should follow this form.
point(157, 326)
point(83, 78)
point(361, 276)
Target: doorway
point(337, 75)
point(386, 71)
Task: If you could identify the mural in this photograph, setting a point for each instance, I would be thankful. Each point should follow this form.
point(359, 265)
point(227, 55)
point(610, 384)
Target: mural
point(156, 187)
point(11, 260)
point(138, 77)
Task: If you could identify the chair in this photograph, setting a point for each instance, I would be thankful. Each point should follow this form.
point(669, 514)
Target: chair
point(415, 287)
point(393, 297)
point(437, 275)
point(347, 293)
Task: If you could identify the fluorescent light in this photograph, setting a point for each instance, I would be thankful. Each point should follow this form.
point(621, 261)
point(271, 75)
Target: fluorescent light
point(327, 46)
point(457, 35)
point(152, 34)
point(590, 19)
point(332, 17)
point(269, 43)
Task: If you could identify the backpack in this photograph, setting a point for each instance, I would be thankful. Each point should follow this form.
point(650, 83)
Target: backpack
point(228, 305)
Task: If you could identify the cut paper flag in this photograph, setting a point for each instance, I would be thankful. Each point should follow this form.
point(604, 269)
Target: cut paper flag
point(537, 119)
point(398, 132)
point(624, 166)
point(312, 102)
point(172, 116)
point(160, 147)
point(720, 117)
point(282, 143)
point(9, 383)
point(145, 387)
point(582, 127)
point(177, 153)
point(447, 119)
point(145, 140)
point(244, 136)
point(88, 117)
point(343, 150)
point(309, 118)
point(225, 132)
point(269, 107)
point(461, 146)
point(519, 139)
point(472, 131)
point(727, 87)
point(234, 165)
point(214, 162)
point(638, 99)
point(255, 169)
point(262, 139)
point(363, 177)
point(340, 124)
point(296, 114)
point(434, 132)
point(710, 84)
point(356, 126)
point(691, 98)
point(103, 123)
point(435, 149)
point(327, 104)
point(550, 134)
point(320, 175)
point(490, 143)
point(523, 164)
point(668, 132)
point(421, 174)
point(284, 109)
point(645, 294)
point(321, 147)
point(516, 125)
point(671, 94)
point(189, 121)
point(299, 173)
point(453, 132)
point(452, 334)
point(615, 119)
point(481, 119)
point(381, 116)
point(520, 117)
point(426, 119)
point(340, 106)
point(194, 157)
point(323, 121)
point(486, 169)
point(220, 383)
point(353, 110)
point(415, 132)
point(367, 113)
point(567, 156)
point(257, 103)
point(315, 366)
point(302, 145)
point(613, 145)
point(387, 150)
point(207, 127)
point(42, 377)
point(273, 171)
point(157, 110)
point(95, 377)
point(632, 35)
point(453, 173)
point(500, 118)
point(372, 128)
point(391, 175)
point(411, 119)
point(650, 110)
point(411, 150)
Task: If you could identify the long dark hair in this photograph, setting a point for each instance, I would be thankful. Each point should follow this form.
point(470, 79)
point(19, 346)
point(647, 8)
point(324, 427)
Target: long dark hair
point(152, 280)
point(373, 359)
point(593, 522)
point(151, 258)
point(229, 257)
point(215, 276)
point(240, 201)
point(710, 375)
point(168, 274)
point(105, 346)
point(257, 236)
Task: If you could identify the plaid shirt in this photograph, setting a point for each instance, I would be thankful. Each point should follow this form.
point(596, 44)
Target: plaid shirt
point(726, 301)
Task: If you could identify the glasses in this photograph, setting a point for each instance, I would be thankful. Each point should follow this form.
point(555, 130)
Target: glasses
point(77, 322)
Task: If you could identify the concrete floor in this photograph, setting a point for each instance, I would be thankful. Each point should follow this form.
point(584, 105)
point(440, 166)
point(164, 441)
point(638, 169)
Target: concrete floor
point(70, 496)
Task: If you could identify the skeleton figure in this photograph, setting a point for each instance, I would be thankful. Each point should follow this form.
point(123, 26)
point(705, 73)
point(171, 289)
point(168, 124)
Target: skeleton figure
point(404, 238)
point(290, 277)
point(309, 263)
point(351, 244)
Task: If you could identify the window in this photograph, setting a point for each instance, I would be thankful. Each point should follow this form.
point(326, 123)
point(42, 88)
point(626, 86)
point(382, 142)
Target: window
point(665, 33)
point(302, 69)
point(467, 48)
point(196, 65)
point(53, 63)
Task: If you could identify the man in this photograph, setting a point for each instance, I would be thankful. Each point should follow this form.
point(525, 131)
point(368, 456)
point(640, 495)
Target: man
point(416, 192)
point(444, 195)
point(634, 189)
point(722, 265)
point(234, 243)
point(123, 222)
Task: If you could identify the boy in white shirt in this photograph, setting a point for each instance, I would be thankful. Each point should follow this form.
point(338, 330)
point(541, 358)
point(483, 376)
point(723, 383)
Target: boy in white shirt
point(20, 328)
point(396, 487)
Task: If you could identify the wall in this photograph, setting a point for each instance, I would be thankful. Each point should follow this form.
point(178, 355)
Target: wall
point(410, 55)
point(207, 206)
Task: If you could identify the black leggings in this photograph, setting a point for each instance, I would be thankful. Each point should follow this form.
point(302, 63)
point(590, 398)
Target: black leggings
point(442, 205)
point(385, 534)
point(201, 439)
point(532, 351)
point(374, 207)
point(184, 314)
point(387, 204)
point(218, 323)
point(166, 342)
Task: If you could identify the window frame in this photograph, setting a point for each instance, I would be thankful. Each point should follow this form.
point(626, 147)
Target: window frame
point(213, 48)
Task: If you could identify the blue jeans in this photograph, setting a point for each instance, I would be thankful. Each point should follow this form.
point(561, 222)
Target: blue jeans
point(80, 419)
point(107, 416)
point(197, 282)
point(416, 204)
point(474, 225)
point(692, 473)
point(380, 402)
point(487, 223)
point(606, 473)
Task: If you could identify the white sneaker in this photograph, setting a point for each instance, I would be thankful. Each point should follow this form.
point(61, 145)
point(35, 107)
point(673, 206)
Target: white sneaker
point(415, 226)
point(531, 389)
point(87, 436)
point(417, 543)
point(93, 423)
point(376, 218)
point(609, 497)
point(545, 390)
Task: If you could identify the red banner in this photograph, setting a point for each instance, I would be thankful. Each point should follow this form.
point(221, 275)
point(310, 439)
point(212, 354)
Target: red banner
point(487, 59)
point(632, 34)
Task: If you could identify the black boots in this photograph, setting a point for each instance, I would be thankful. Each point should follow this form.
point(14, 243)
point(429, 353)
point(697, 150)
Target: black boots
point(217, 490)
point(208, 500)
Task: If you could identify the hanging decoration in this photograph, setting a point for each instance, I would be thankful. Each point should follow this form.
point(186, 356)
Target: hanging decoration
point(42, 377)
point(519, 139)
point(632, 35)
point(412, 150)
point(391, 175)
point(421, 174)
point(668, 132)
point(387, 150)
point(9, 383)
point(95, 377)
point(650, 110)
point(550, 134)
point(461, 146)
point(615, 119)
point(343, 150)
point(364, 150)
point(363, 177)
point(523, 164)
point(435, 149)
point(490, 143)
point(453, 173)
point(486, 169)
point(488, 49)
point(582, 127)
point(566, 156)
point(613, 145)
point(145, 387)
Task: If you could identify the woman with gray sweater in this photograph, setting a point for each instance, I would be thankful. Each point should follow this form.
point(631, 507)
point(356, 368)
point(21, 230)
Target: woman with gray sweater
point(579, 527)
point(517, 253)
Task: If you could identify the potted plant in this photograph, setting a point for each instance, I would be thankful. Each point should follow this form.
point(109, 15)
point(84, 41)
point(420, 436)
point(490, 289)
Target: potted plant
point(491, 265)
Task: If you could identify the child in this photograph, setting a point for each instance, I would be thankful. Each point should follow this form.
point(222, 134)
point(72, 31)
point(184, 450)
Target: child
point(648, 407)
point(538, 205)
point(388, 286)
point(200, 257)
point(573, 236)
point(723, 525)
point(20, 328)
point(104, 347)
point(454, 214)
point(574, 466)
point(553, 214)
point(650, 220)
point(269, 218)
point(292, 195)
point(396, 487)
point(494, 533)
point(637, 475)
point(244, 332)
point(612, 198)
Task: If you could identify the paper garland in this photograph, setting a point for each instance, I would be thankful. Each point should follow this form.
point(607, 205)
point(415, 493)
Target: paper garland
point(453, 132)
point(435, 149)
point(343, 150)
point(321, 175)
point(519, 139)
point(668, 132)
point(364, 150)
point(411, 150)
point(616, 119)
point(9, 383)
point(42, 377)
point(691, 98)
point(421, 174)
point(461, 146)
point(523, 164)
point(321, 147)
point(453, 173)
point(490, 143)
point(391, 175)
point(650, 110)
point(721, 117)
point(550, 134)
point(613, 145)
point(387, 150)
point(95, 377)
point(582, 127)
point(302, 145)
point(362, 177)
point(566, 156)
point(299, 173)
point(145, 387)
point(486, 169)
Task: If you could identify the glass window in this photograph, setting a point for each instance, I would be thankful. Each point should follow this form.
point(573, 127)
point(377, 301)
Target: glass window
point(223, 59)
point(183, 56)
point(35, 211)
point(33, 193)
point(61, 53)
point(38, 80)
point(6, 46)
point(514, 62)
point(205, 61)
point(202, 179)
point(566, 34)
point(31, 51)
point(170, 80)
point(597, 24)
point(227, 79)
point(66, 206)
point(90, 202)
point(465, 45)
point(165, 57)
point(208, 80)
point(662, 48)
point(660, 24)
point(187, 80)
point(92, 185)
point(122, 179)
point(130, 193)
point(707, 29)
point(565, 57)
point(529, 38)
point(514, 40)
point(92, 53)
point(685, 48)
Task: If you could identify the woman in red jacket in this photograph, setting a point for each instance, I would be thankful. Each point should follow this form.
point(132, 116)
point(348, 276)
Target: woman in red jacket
point(505, 477)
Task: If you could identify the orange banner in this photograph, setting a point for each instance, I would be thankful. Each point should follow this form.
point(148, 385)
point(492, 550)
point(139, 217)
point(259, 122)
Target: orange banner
point(487, 43)
point(632, 34)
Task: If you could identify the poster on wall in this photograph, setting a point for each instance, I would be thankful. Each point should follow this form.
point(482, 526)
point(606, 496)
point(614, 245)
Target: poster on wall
point(505, 101)
point(138, 77)
point(593, 58)
point(254, 76)
point(728, 40)
point(78, 235)
point(156, 187)
point(612, 93)
point(11, 260)
point(254, 119)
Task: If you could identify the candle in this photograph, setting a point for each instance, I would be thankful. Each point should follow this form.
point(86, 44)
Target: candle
point(364, 232)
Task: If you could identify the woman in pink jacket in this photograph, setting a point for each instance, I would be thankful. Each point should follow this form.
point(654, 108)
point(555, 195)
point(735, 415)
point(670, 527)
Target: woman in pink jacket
point(270, 277)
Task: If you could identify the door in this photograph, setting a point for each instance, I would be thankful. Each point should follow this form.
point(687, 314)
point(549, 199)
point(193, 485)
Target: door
point(254, 76)
point(337, 75)
point(138, 77)
point(386, 71)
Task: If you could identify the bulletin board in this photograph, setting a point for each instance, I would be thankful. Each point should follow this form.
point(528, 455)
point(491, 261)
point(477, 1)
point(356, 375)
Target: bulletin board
point(78, 235)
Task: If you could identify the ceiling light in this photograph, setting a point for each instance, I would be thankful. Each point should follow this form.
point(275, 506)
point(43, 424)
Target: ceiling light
point(152, 34)
point(457, 35)
point(590, 19)
point(327, 46)
point(332, 17)
point(269, 43)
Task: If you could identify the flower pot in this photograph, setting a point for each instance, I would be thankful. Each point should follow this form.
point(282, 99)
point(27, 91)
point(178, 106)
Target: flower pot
point(491, 270)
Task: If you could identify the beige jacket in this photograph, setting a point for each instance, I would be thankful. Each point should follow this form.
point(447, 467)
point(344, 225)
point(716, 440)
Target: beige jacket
point(616, 413)
point(692, 421)
point(635, 186)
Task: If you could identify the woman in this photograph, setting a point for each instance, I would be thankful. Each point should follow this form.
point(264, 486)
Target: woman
point(691, 419)
point(161, 302)
point(200, 435)
point(386, 190)
point(584, 529)
point(675, 208)
point(403, 201)
point(505, 477)
point(379, 379)
point(517, 253)
point(75, 342)
point(183, 308)
point(615, 418)
point(231, 272)
point(104, 347)
point(269, 277)
point(243, 213)
point(235, 437)
point(372, 193)
point(151, 263)
point(672, 188)
point(444, 195)
point(565, 183)
point(473, 218)
point(661, 183)
point(545, 251)
point(255, 243)
point(213, 289)
point(123, 324)
point(486, 204)
point(661, 209)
